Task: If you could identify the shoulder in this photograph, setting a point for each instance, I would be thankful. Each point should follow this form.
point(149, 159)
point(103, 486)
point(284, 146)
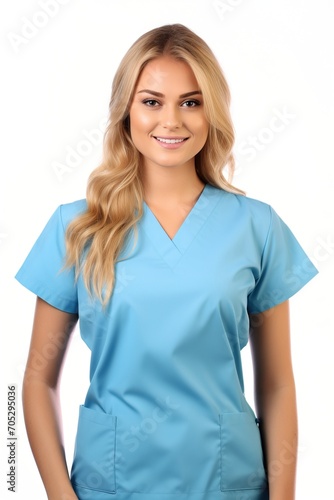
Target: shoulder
point(244, 206)
point(69, 211)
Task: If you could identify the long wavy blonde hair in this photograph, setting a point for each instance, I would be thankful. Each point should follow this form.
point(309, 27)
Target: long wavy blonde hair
point(115, 191)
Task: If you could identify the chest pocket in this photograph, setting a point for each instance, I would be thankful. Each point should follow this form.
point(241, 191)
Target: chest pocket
point(94, 456)
point(241, 456)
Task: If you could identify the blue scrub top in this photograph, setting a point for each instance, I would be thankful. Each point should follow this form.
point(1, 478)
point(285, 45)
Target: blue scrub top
point(165, 416)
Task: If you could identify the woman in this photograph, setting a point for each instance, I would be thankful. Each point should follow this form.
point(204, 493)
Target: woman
point(170, 269)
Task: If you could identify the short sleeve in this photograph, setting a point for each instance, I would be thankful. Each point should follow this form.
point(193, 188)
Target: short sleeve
point(42, 273)
point(285, 268)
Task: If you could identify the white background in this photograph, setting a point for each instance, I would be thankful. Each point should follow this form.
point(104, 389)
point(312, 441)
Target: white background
point(56, 82)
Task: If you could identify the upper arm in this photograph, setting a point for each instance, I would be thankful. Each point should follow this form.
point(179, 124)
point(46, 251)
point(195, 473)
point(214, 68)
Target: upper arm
point(50, 338)
point(270, 348)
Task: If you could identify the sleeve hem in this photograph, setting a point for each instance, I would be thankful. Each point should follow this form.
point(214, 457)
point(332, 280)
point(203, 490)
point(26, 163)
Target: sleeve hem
point(269, 303)
point(58, 302)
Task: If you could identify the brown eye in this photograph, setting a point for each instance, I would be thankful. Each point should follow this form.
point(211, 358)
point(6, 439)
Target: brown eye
point(151, 103)
point(191, 104)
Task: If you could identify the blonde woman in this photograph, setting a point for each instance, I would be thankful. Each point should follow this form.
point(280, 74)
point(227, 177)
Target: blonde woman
point(170, 270)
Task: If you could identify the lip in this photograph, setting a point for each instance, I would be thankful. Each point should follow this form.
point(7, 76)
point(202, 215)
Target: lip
point(176, 137)
point(173, 145)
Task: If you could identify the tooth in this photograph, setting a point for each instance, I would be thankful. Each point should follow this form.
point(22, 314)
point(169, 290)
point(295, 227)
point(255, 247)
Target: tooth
point(170, 141)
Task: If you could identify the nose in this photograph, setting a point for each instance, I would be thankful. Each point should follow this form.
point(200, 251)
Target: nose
point(171, 117)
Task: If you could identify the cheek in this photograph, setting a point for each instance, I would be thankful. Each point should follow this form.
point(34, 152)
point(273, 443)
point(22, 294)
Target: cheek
point(202, 129)
point(140, 121)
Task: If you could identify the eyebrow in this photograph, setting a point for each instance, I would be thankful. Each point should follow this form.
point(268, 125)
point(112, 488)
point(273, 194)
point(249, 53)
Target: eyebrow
point(159, 94)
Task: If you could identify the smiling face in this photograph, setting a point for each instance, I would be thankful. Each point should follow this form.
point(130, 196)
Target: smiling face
point(168, 125)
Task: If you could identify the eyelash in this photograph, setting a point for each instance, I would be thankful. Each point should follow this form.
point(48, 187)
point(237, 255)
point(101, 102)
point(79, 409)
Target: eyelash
point(197, 103)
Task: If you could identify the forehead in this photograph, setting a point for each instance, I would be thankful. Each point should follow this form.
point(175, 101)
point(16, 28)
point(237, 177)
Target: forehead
point(167, 71)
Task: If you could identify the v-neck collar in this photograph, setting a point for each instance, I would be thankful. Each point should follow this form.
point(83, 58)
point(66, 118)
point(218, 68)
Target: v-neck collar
point(172, 249)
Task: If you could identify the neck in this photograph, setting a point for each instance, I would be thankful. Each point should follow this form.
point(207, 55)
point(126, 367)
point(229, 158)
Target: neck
point(171, 184)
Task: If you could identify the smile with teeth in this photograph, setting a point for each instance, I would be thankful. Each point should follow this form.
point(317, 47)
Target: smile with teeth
point(170, 141)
